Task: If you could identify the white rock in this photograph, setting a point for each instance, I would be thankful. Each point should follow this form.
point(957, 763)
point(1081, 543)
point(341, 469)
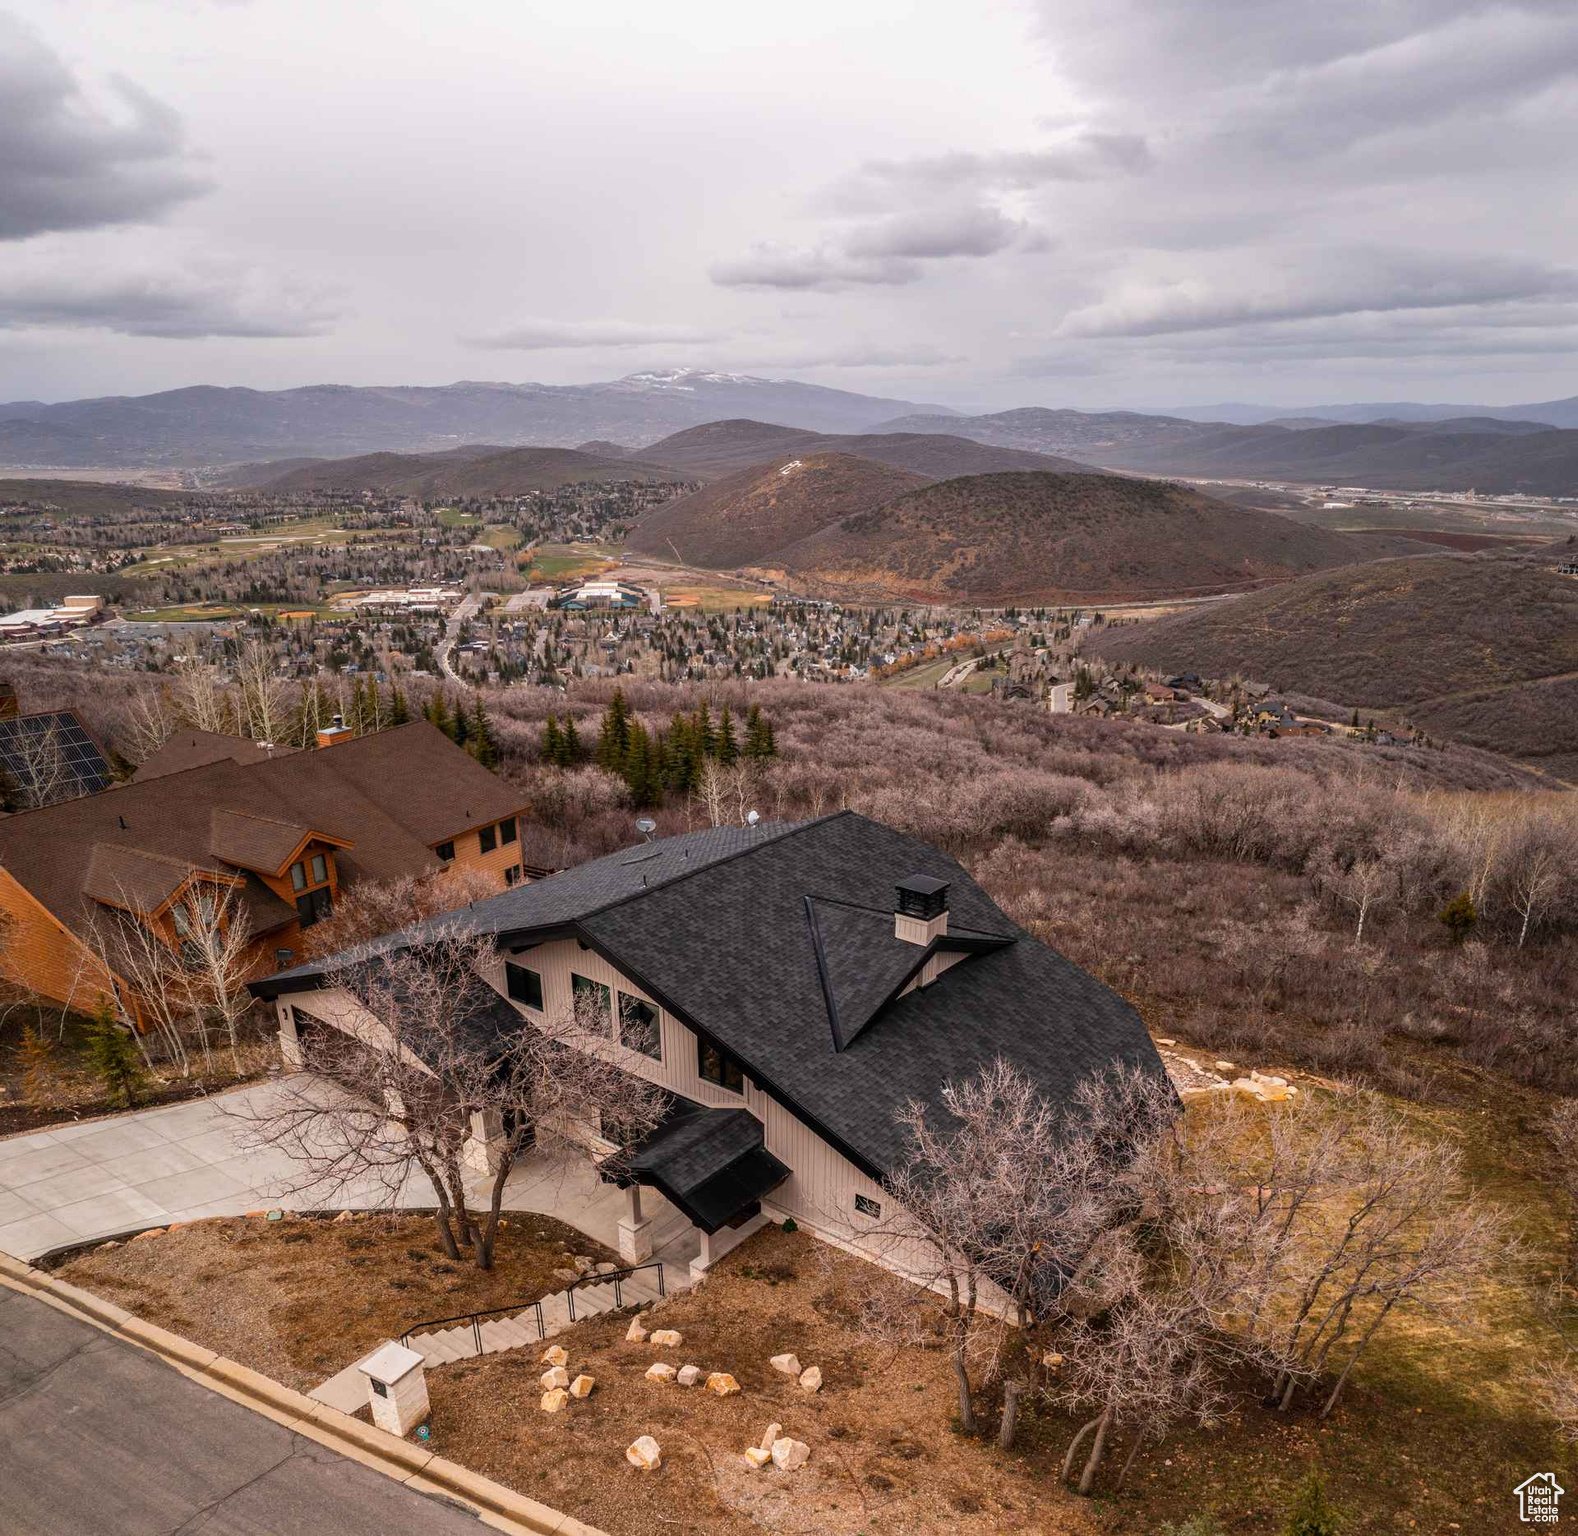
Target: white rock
point(644, 1453)
point(554, 1355)
point(582, 1262)
point(582, 1386)
point(689, 1375)
point(635, 1333)
point(756, 1457)
point(556, 1376)
point(344, 1216)
point(788, 1364)
point(811, 1379)
point(1225, 1066)
point(1160, 1041)
point(789, 1454)
point(667, 1338)
point(660, 1372)
point(722, 1383)
point(553, 1401)
point(774, 1432)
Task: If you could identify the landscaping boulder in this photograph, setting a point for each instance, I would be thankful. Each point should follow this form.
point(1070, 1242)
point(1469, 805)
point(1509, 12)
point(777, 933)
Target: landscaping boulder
point(789, 1454)
point(756, 1457)
point(645, 1453)
point(554, 1355)
point(556, 1376)
point(566, 1276)
point(605, 1268)
point(583, 1263)
point(722, 1383)
point(345, 1216)
point(788, 1364)
point(1225, 1066)
point(1052, 1360)
point(142, 1237)
point(811, 1379)
point(635, 1333)
point(553, 1401)
point(689, 1375)
point(582, 1386)
point(667, 1338)
point(774, 1432)
point(661, 1372)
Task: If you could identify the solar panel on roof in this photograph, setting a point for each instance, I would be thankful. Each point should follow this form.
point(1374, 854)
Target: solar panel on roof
point(33, 746)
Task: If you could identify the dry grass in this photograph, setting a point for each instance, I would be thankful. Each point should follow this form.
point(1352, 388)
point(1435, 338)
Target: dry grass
point(302, 1298)
point(883, 1458)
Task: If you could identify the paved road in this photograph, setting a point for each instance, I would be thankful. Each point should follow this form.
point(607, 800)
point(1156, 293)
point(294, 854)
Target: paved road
point(100, 1437)
point(466, 608)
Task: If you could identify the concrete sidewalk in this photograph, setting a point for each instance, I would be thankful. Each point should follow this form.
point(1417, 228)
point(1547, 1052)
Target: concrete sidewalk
point(73, 1183)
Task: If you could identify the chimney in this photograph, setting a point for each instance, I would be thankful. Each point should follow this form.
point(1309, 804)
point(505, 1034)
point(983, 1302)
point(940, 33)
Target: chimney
point(10, 708)
point(921, 912)
point(337, 731)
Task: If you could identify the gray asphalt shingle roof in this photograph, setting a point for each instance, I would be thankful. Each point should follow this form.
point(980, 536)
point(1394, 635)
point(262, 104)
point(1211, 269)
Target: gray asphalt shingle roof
point(721, 933)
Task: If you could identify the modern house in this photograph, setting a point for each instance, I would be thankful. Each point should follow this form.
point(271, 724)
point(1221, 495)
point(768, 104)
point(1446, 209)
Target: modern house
point(792, 986)
point(279, 832)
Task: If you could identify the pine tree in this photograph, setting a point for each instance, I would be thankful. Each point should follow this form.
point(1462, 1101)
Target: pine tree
point(437, 713)
point(399, 710)
point(755, 733)
point(113, 1057)
point(614, 737)
point(1459, 917)
point(461, 725)
point(35, 1059)
point(484, 744)
point(571, 751)
point(1312, 1514)
point(637, 766)
point(552, 742)
point(701, 724)
point(684, 762)
point(725, 746)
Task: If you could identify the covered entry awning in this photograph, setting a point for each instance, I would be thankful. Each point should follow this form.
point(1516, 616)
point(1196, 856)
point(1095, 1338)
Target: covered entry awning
point(711, 1163)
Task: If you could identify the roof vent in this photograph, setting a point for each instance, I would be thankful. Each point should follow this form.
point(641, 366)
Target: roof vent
point(920, 913)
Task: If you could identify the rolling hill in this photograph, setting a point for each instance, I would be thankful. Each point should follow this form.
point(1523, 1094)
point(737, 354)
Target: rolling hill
point(92, 498)
point(1482, 648)
point(1033, 537)
point(745, 518)
point(1494, 453)
point(725, 447)
point(470, 471)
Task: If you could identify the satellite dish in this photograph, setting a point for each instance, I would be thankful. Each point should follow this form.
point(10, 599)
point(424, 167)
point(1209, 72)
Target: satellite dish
point(752, 819)
point(646, 826)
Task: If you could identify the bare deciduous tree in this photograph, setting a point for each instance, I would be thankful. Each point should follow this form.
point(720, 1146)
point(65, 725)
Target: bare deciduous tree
point(200, 696)
point(374, 907)
point(265, 696)
point(725, 792)
point(422, 1076)
point(148, 724)
point(38, 772)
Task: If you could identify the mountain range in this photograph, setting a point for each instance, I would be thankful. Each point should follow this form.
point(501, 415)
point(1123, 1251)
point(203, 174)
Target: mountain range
point(1488, 453)
point(204, 425)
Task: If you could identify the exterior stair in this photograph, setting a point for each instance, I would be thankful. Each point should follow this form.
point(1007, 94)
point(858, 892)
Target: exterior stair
point(592, 1297)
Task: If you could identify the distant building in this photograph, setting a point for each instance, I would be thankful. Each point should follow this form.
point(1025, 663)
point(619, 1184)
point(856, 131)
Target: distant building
point(579, 596)
point(70, 613)
point(1568, 568)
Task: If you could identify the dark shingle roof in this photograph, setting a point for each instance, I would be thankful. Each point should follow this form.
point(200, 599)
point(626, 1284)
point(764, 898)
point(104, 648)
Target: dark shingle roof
point(711, 1163)
point(723, 934)
point(187, 748)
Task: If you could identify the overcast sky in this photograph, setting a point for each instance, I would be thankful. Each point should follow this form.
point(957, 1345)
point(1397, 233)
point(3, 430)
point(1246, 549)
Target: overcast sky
point(1026, 202)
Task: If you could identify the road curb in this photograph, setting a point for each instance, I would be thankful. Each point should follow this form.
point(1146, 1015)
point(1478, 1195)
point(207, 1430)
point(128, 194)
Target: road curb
point(421, 1470)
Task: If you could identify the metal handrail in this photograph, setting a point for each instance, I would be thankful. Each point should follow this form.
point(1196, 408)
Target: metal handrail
point(614, 1277)
point(475, 1319)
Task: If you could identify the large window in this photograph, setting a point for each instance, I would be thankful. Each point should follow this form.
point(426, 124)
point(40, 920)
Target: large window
point(445, 851)
point(715, 1066)
point(638, 1027)
point(314, 906)
point(523, 985)
point(488, 839)
point(507, 830)
point(298, 877)
point(593, 1005)
point(320, 869)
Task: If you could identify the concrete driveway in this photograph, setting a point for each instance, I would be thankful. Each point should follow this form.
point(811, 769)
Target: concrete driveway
point(73, 1183)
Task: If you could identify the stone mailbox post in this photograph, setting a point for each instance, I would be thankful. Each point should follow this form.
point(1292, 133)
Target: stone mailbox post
point(396, 1387)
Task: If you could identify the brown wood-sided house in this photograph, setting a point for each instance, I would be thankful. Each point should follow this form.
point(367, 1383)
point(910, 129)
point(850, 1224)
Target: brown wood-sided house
point(277, 832)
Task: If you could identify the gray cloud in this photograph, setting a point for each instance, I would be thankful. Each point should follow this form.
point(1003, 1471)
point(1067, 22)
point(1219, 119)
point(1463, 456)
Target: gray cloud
point(66, 166)
point(550, 335)
point(1345, 283)
point(169, 306)
point(931, 233)
point(770, 266)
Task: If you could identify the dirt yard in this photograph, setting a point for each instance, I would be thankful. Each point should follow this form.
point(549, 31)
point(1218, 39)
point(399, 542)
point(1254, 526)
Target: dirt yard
point(301, 1298)
point(884, 1458)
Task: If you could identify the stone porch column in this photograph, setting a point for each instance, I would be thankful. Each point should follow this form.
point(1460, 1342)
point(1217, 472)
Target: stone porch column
point(635, 1231)
point(482, 1145)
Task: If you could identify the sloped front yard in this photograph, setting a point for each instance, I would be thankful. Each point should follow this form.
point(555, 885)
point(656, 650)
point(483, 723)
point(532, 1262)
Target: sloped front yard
point(301, 1298)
